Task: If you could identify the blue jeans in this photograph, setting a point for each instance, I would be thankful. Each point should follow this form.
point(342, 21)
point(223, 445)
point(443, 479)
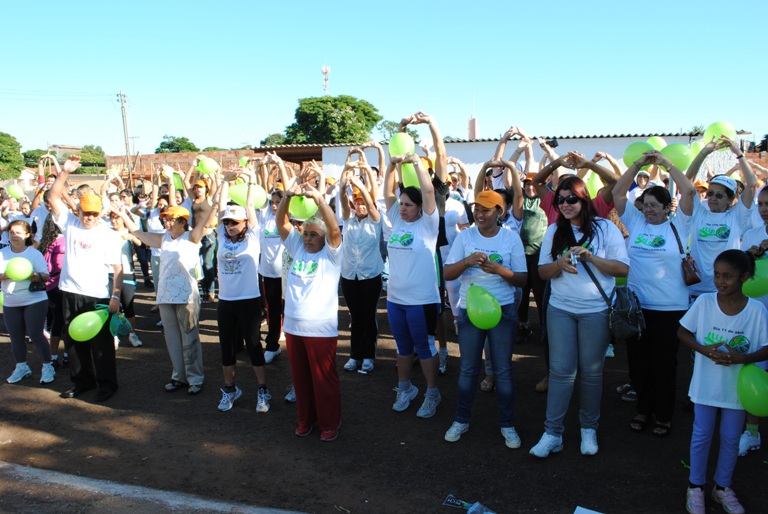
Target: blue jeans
point(704, 421)
point(501, 339)
point(577, 343)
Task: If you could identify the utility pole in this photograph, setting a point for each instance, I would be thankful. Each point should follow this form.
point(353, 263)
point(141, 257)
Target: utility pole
point(121, 99)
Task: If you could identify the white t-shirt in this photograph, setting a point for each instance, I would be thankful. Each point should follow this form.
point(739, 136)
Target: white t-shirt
point(746, 332)
point(155, 226)
point(180, 270)
point(512, 223)
point(13, 216)
point(578, 293)
point(656, 273)
point(362, 257)
point(412, 266)
point(753, 237)
point(238, 265)
point(271, 244)
point(505, 248)
point(90, 255)
point(312, 298)
point(38, 216)
point(17, 293)
point(455, 215)
point(711, 234)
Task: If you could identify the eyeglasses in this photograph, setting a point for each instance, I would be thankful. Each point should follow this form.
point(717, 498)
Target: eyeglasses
point(231, 222)
point(570, 200)
point(91, 214)
point(719, 196)
point(647, 206)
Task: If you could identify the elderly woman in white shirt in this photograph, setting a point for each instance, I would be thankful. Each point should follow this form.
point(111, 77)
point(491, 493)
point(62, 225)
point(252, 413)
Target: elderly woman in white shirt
point(362, 265)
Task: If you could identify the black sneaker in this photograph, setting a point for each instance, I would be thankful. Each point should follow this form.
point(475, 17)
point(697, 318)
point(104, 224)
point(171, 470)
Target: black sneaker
point(149, 285)
point(65, 362)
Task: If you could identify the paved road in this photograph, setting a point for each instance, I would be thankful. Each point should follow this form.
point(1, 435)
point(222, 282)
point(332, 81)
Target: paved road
point(30, 490)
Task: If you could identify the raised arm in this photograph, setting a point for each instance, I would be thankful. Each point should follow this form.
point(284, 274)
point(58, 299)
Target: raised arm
point(389, 185)
point(148, 238)
point(57, 190)
point(750, 181)
point(621, 187)
point(333, 232)
point(512, 181)
point(370, 203)
point(441, 165)
point(608, 178)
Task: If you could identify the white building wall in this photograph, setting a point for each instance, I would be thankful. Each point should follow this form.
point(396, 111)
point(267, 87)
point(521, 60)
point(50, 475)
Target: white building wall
point(474, 154)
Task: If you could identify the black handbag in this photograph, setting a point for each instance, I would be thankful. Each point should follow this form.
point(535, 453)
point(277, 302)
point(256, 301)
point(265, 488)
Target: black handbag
point(625, 316)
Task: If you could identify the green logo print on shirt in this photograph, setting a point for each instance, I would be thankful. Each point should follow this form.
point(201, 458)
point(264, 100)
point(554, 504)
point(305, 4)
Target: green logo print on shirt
point(723, 232)
point(495, 257)
point(739, 343)
point(304, 268)
point(656, 242)
point(404, 240)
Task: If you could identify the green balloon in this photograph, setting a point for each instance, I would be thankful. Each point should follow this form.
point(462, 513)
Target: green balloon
point(207, 166)
point(15, 191)
point(19, 268)
point(302, 207)
point(2, 298)
point(657, 142)
point(243, 161)
point(483, 308)
point(621, 281)
point(757, 286)
point(178, 183)
point(717, 129)
point(634, 151)
point(696, 147)
point(401, 143)
point(410, 179)
point(239, 194)
point(679, 154)
point(752, 387)
point(86, 325)
point(594, 184)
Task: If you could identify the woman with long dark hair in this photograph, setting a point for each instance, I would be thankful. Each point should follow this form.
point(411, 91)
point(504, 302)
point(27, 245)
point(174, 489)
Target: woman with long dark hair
point(52, 246)
point(577, 315)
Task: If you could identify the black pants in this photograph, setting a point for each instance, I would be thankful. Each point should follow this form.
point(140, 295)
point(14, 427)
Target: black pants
point(240, 319)
point(272, 292)
point(362, 297)
point(653, 364)
point(143, 255)
point(55, 312)
point(92, 362)
point(535, 283)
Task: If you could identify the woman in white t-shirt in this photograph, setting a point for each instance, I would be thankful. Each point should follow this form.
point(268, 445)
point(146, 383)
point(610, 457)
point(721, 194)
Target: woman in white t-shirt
point(412, 293)
point(270, 266)
point(177, 293)
point(490, 257)
point(239, 310)
point(719, 227)
point(577, 315)
point(24, 311)
point(656, 277)
point(361, 267)
point(311, 313)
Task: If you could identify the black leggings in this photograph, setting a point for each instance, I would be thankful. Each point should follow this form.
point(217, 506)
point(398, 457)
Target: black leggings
point(240, 319)
point(362, 297)
point(56, 312)
point(273, 301)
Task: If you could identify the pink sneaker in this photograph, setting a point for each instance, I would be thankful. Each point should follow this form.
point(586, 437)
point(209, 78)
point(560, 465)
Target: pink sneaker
point(727, 498)
point(694, 503)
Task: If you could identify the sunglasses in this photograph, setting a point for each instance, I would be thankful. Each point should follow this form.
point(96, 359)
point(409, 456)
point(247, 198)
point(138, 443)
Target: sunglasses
point(570, 200)
point(719, 196)
point(231, 222)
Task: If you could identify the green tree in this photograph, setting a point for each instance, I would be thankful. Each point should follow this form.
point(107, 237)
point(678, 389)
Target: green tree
point(211, 149)
point(173, 144)
point(388, 128)
point(698, 129)
point(32, 157)
point(91, 153)
point(332, 119)
point(11, 160)
point(273, 140)
point(763, 145)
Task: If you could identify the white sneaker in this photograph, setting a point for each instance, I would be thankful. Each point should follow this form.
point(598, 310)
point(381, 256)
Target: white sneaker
point(429, 407)
point(588, 441)
point(511, 439)
point(48, 373)
point(282, 336)
point(47, 334)
point(546, 445)
point(270, 356)
point(609, 352)
point(134, 339)
point(748, 443)
point(159, 323)
point(403, 400)
point(367, 365)
point(454, 433)
point(22, 371)
point(228, 399)
point(291, 396)
point(694, 501)
point(117, 342)
point(351, 365)
point(727, 498)
point(262, 405)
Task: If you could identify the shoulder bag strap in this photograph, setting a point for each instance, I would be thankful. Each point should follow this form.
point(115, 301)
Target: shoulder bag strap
point(679, 244)
point(599, 287)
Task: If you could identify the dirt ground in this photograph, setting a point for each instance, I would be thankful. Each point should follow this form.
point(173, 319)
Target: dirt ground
point(383, 461)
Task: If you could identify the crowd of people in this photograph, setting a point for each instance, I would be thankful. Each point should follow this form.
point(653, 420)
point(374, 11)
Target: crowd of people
point(519, 228)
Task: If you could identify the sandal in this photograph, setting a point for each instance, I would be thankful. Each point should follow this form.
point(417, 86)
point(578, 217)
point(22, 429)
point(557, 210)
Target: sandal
point(623, 388)
point(488, 386)
point(661, 429)
point(174, 385)
point(638, 425)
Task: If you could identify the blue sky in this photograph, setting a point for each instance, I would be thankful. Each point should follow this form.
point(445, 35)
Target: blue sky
point(229, 73)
